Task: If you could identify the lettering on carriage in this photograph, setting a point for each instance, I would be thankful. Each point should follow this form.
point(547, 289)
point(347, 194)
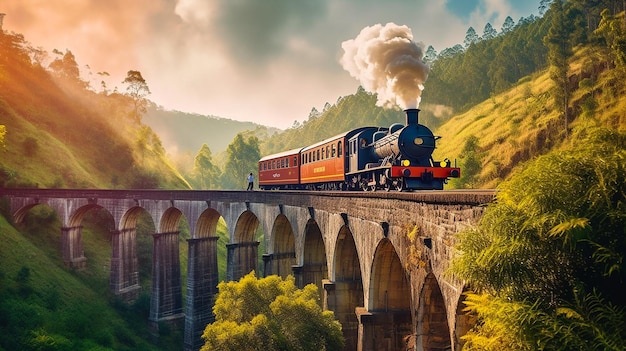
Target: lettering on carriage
point(319, 169)
point(276, 175)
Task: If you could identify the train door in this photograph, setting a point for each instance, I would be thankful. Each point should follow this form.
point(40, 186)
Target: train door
point(352, 154)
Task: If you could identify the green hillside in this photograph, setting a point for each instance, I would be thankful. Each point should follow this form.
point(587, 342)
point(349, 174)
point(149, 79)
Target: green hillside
point(60, 133)
point(45, 306)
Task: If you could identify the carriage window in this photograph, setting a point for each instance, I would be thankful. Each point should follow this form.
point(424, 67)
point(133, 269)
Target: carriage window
point(295, 161)
point(339, 149)
point(327, 152)
point(318, 154)
point(323, 154)
point(334, 150)
point(287, 162)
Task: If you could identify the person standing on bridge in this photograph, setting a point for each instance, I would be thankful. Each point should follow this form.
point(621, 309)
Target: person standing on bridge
point(250, 182)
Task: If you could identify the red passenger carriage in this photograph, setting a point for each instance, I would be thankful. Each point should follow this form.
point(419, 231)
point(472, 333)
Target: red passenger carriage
point(280, 171)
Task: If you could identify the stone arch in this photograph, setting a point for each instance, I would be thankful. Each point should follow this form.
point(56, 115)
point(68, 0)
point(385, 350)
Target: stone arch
point(315, 264)
point(20, 214)
point(345, 293)
point(283, 257)
point(389, 287)
point(170, 220)
point(242, 254)
point(433, 331)
point(246, 227)
point(464, 321)
point(207, 224)
point(388, 319)
point(76, 218)
point(131, 217)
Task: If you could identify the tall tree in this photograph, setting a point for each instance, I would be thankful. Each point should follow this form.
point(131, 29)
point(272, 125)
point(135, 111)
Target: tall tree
point(67, 68)
point(559, 51)
point(430, 55)
point(613, 30)
point(243, 156)
point(544, 5)
point(470, 37)
point(205, 171)
point(508, 25)
point(137, 90)
point(489, 32)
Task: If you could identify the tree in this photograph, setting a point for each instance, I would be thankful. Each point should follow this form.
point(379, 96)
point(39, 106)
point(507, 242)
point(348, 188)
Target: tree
point(543, 6)
point(613, 30)
point(546, 262)
point(270, 314)
point(489, 32)
point(243, 156)
point(470, 37)
point(559, 51)
point(508, 25)
point(430, 55)
point(205, 172)
point(67, 68)
point(137, 90)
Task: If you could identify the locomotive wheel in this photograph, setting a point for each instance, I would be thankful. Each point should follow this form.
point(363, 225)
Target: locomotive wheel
point(398, 184)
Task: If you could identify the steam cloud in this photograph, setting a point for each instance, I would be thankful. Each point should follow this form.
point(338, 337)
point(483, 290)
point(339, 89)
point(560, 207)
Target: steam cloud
point(387, 61)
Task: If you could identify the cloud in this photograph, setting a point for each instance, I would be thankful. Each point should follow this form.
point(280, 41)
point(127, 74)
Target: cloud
point(266, 61)
point(387, 61)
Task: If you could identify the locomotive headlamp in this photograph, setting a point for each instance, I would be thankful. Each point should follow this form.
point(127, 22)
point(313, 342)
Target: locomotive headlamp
point(418, 141)
point(406, 163)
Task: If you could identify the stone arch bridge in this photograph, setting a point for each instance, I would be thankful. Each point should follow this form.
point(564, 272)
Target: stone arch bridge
point(378, 259)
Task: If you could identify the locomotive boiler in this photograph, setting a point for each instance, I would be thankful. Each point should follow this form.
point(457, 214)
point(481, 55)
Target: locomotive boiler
point(413, 142)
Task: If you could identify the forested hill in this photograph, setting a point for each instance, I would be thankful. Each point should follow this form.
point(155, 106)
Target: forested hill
point(183, 132)
point(59, 133)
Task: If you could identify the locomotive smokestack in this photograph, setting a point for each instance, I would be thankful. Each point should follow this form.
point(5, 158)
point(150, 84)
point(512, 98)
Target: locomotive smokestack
point(412, 116)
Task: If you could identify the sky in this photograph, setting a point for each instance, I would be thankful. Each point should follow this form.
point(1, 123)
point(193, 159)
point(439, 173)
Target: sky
point(264, 61)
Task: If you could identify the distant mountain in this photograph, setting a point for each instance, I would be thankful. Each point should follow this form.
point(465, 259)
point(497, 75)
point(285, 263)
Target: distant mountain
point(182, 132)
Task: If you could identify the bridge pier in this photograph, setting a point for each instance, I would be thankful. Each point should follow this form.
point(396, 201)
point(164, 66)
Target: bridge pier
point(124, 280)
point(279, 263)
point(166, 300)
point(202, 280)
point(342, 297)
point(72, 247)
point(241, 259)
point(383, 330)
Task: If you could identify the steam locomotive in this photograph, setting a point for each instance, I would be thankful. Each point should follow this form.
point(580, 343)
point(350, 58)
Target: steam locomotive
point(368, 158)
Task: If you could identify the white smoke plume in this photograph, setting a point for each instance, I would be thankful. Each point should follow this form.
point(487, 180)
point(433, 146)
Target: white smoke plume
point(387, 61)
